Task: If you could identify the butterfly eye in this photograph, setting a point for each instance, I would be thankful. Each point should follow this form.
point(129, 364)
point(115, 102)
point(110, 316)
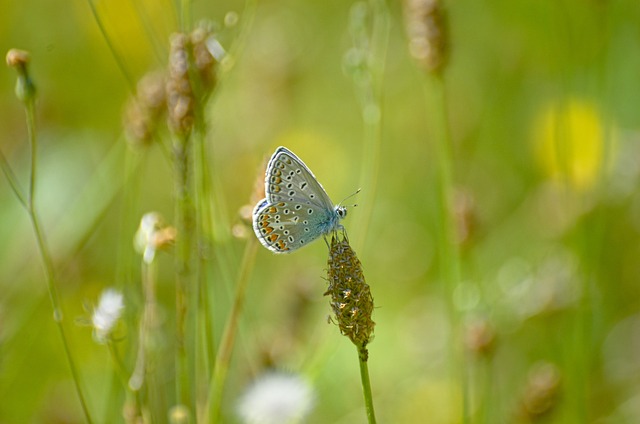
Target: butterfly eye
point(342, 212)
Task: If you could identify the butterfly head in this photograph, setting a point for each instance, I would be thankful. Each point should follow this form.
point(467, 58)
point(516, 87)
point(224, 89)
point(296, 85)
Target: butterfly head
point(341, 211)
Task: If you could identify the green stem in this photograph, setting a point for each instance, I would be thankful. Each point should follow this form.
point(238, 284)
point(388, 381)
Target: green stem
point(363, 356)
point(144, 371)
point(111, 47)
point(31, 128)
point(184, 247)
point(228, 338)
point(450, 258)
point(120, 368)
point(205, 348)
point(185, 15)
point(12, 179)
point(449, 255)
point(154, 39)
point(45, 256)
point(372, 115)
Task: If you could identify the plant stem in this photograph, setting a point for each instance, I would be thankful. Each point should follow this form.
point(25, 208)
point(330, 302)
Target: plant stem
point(204, 342)
point(112, 49)
point(121, 372)
point(450, 258)
point(184, 247)
point(12, 179)
point(371, 105)
point(185, 15)
point(435, 94)
point(45, 255)
point(363, 356)
point(226, 345)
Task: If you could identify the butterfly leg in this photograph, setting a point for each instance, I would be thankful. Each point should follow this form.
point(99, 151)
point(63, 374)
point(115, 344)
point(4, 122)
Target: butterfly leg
point(325, 240)
point(344, 232)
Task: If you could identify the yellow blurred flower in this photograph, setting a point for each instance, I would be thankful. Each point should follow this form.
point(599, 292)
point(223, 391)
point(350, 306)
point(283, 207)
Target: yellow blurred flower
point(570, 139)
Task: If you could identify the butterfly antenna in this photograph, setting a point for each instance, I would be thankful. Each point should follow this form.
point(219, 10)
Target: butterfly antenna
point(350, 196)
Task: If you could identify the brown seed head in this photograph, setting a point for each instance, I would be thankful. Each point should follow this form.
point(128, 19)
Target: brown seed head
point(17, 58)
point(351, 298)
point(246, 211)
point(143, 112)
point(541, 392)
point(465, 214)
point(479, 337)
point(204, 62)
point(180, 100)
point(151, 91)
point(425, 25)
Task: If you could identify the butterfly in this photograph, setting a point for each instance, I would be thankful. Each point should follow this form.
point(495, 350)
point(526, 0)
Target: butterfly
point(297, 210)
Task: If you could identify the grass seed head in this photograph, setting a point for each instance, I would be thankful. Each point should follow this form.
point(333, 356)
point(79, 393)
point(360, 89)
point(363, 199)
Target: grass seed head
point(426, 28)
point(18, 60)
point(144, 111)
point(351, 298)
point(204, 60)
point(180, 98)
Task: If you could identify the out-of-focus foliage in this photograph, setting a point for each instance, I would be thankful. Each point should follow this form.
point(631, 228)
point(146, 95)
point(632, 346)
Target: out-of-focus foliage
point(543, 104)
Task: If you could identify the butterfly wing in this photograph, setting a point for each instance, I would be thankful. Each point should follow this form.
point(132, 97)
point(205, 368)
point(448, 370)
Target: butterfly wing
point(285, 226)
point(288, 179)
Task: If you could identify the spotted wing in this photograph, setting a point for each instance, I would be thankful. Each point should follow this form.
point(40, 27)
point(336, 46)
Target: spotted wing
point(288, 179)
point(283, 227)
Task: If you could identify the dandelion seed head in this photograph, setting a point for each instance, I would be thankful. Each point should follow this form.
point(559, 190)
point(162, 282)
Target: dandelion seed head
point(107, 314)
point(276, 398)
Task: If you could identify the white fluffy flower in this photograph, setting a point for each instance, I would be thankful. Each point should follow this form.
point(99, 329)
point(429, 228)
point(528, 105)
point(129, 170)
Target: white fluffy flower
point(107, 314)
point(152, 235)
point(145, 237)
point(276, 398)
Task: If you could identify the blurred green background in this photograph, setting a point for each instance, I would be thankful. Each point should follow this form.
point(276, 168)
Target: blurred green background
point(543, 104)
